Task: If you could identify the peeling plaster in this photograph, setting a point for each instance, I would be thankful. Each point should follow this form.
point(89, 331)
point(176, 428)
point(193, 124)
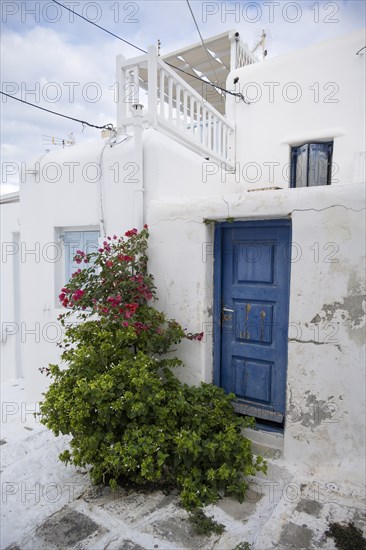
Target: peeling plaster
point(313, 413)
point(351, 308)
point(350, 311)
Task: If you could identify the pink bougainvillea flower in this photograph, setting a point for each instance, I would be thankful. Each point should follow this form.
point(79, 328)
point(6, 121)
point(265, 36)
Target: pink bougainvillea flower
point(109, 263)
point(78, 294)
point(131, 232)
point(198, 336)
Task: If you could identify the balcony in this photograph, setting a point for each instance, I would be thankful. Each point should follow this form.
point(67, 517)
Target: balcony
point(180, 105)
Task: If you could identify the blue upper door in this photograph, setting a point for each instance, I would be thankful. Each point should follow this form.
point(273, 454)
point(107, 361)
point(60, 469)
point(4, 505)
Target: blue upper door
point(254, 275)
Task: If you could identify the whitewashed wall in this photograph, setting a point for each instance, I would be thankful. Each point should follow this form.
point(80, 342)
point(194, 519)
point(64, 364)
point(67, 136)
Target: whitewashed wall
point(10, 291)
point(65, 192)
point(313, 94)
point(62, 191)
point(326, 373)
point(326, 370)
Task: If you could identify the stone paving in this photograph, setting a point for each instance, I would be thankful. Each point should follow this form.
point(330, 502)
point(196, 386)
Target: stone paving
point(46, 505)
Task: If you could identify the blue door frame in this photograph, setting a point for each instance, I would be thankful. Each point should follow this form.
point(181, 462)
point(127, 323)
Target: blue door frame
point(256, 295)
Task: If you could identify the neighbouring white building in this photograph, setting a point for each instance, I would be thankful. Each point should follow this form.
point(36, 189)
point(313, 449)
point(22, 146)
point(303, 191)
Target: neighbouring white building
point(256, 210)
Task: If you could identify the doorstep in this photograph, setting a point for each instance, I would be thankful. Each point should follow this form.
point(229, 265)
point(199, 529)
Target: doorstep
point(268, 444)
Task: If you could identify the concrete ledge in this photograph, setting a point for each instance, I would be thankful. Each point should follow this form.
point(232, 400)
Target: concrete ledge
point(268, 444)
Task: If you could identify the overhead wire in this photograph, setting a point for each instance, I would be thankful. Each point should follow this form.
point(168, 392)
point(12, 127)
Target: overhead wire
point(207, 82)
point(83, 122)
point(209, 57)
point(99, 27)
point(110, 125)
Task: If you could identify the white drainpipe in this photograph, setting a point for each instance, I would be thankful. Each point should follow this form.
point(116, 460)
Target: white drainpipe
point(139, 189)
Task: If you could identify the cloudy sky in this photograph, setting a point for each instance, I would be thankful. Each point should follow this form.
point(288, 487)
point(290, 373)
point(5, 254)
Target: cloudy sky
point(58, 61)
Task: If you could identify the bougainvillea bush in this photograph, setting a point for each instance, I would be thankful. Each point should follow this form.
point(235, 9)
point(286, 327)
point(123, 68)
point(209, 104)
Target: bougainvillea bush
point(116, 393)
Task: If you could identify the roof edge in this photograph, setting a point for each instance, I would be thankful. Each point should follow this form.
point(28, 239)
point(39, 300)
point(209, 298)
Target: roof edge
point(10, 197)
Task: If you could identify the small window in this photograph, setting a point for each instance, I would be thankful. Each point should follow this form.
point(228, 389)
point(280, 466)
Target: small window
point(87, 241)
point(311, 164)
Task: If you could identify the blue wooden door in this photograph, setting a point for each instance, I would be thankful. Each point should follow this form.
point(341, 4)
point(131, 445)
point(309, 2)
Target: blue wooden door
point(254, 271)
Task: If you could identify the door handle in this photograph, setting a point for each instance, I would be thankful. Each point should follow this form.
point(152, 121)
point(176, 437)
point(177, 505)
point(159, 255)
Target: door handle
point(226, 314)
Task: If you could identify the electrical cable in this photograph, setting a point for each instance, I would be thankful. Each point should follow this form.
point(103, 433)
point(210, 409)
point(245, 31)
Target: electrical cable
point(83, 122)
point(99, 27)
point(209, 57)
point(236, 94)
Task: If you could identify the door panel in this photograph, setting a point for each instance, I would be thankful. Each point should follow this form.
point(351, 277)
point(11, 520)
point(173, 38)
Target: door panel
point(255, 274)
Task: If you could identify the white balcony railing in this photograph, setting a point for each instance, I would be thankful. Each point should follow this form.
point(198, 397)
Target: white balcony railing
point(173, 107)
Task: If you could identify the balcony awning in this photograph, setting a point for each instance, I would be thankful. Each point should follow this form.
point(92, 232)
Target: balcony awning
point(196, 63)
point(226, 52)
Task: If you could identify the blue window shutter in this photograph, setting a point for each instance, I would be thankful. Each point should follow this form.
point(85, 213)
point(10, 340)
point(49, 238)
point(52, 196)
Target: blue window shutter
point(311, 164)
point(302, 166)
point(319, 164)
point(87, 241)
point(90, 241)
point(73, 240)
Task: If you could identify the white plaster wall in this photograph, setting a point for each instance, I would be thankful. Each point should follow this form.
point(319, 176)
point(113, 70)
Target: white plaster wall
point(10, 293)
point(61, 190)
point(326, 371)
point(73, 202)
point(328, 79)
point(175, 172)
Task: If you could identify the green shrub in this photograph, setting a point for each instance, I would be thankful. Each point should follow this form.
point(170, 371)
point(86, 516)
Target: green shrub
point(205, 525)
point(129, 416)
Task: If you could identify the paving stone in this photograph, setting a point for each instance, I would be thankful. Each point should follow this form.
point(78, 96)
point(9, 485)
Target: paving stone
point(295, 537)
point(311, 507)
point(135, 507)
point(65, 529)
point(176, 530)
point(237, 510)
